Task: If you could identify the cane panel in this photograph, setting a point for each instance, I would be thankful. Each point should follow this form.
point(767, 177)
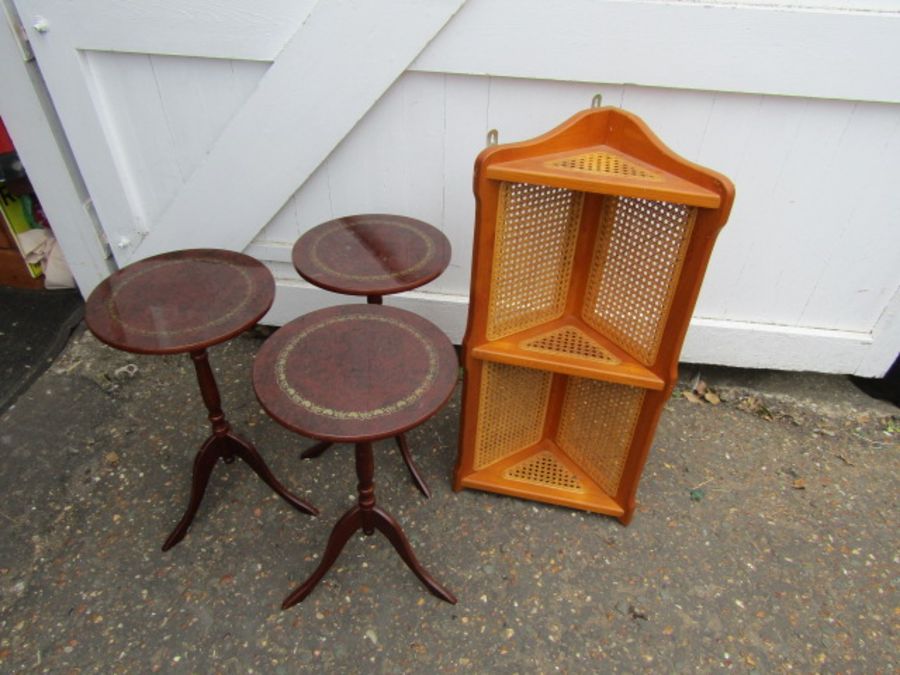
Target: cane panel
point(570, 341)
point(535, 242)
point(596, 427)
point(511, 410)
point(641, 245)
point(545, 470)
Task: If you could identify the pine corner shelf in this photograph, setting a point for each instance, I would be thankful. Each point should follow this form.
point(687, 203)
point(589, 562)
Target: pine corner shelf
point(591, 242)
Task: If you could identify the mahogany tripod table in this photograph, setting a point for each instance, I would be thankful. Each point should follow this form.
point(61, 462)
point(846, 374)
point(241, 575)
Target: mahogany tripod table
point(356, 374)
point(187, 301)
point(373, 254)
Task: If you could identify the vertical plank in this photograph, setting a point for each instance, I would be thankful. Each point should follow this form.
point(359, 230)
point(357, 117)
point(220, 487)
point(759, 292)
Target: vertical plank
point(391, 161)
point(199, 98)
point(465, 129)
point(678, 117)
point(743, 271)
point(133, 120)
point(860, 274)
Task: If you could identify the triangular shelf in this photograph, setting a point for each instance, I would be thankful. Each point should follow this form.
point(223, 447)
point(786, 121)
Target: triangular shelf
point(606, 170)
point(544, 469)
point(571, 347)
point(545, 473)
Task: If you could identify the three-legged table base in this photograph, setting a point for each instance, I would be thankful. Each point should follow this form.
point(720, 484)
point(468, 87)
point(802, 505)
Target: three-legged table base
point(227, 447)
point(368, 517)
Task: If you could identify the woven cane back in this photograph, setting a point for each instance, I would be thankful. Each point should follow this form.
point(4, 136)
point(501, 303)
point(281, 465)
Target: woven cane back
point(640, 248)
point(513, 404)
point(545, 470)
point(535, 242)
point(596, 427)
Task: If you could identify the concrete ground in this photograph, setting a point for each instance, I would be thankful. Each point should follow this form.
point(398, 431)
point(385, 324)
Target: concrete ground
point(765, 540)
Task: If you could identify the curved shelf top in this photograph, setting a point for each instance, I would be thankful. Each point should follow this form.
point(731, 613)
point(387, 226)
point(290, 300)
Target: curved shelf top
point(608, 151)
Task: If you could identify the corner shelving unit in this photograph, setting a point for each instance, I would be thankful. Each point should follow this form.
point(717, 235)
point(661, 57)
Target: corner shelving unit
point(591, 242)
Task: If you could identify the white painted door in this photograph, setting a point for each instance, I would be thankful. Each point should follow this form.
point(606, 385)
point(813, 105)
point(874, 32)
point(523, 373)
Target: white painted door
point(239, 102)
point(242, 124)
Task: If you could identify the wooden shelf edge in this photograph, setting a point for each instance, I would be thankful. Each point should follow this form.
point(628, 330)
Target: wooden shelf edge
point(535, 170)
point(628, 371)
point(490, 479)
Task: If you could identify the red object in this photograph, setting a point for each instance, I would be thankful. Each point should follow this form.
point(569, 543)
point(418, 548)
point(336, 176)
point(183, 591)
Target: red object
point(6, 144)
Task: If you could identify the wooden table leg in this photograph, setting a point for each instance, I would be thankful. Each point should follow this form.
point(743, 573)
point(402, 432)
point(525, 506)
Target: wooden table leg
point(368, 517)
point(317, 450)
point(411, 465)
point(226, 445)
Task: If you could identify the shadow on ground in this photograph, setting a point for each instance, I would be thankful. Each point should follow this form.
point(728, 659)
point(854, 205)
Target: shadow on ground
point(765, 539)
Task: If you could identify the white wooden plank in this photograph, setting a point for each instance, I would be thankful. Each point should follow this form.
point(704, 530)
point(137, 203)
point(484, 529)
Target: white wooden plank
point(310, 205)
point(199, 98)
point(465, 130)
point(522, 109)
point(391, 161)
point(31, 121)
point(81, 108)
point(774, 50)
point(680, 118)
point(752, 233)
point(861, 271)
point(305, 115)
point(885, 347)
point(758, 345)
point(226, 29)
point(733, 343)
point(140, 138)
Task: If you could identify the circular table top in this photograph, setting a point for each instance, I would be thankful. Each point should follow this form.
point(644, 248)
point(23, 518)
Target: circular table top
point(181, 301)
point(371, 254)
point(355, 372)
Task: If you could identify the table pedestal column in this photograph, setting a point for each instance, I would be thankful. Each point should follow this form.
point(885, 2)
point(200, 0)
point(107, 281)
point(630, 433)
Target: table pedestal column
point(223, 444)
point(368, 517)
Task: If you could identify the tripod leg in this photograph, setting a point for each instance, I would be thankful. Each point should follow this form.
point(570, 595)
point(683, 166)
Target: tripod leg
point(349, 523)
point(391, 529)
point(317, 450)
point(411, 465)
point(251, 456)
point(204, 462)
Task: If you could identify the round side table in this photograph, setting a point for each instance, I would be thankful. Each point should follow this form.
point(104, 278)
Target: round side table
point(374, 255)
point(187, 301)
point(356, 374)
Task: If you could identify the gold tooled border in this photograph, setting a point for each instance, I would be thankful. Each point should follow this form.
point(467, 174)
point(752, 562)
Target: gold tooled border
point(114, 312)
point(318, 262)
point(323, 411)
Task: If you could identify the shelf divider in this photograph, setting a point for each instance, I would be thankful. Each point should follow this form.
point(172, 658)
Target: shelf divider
point(605, 361)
